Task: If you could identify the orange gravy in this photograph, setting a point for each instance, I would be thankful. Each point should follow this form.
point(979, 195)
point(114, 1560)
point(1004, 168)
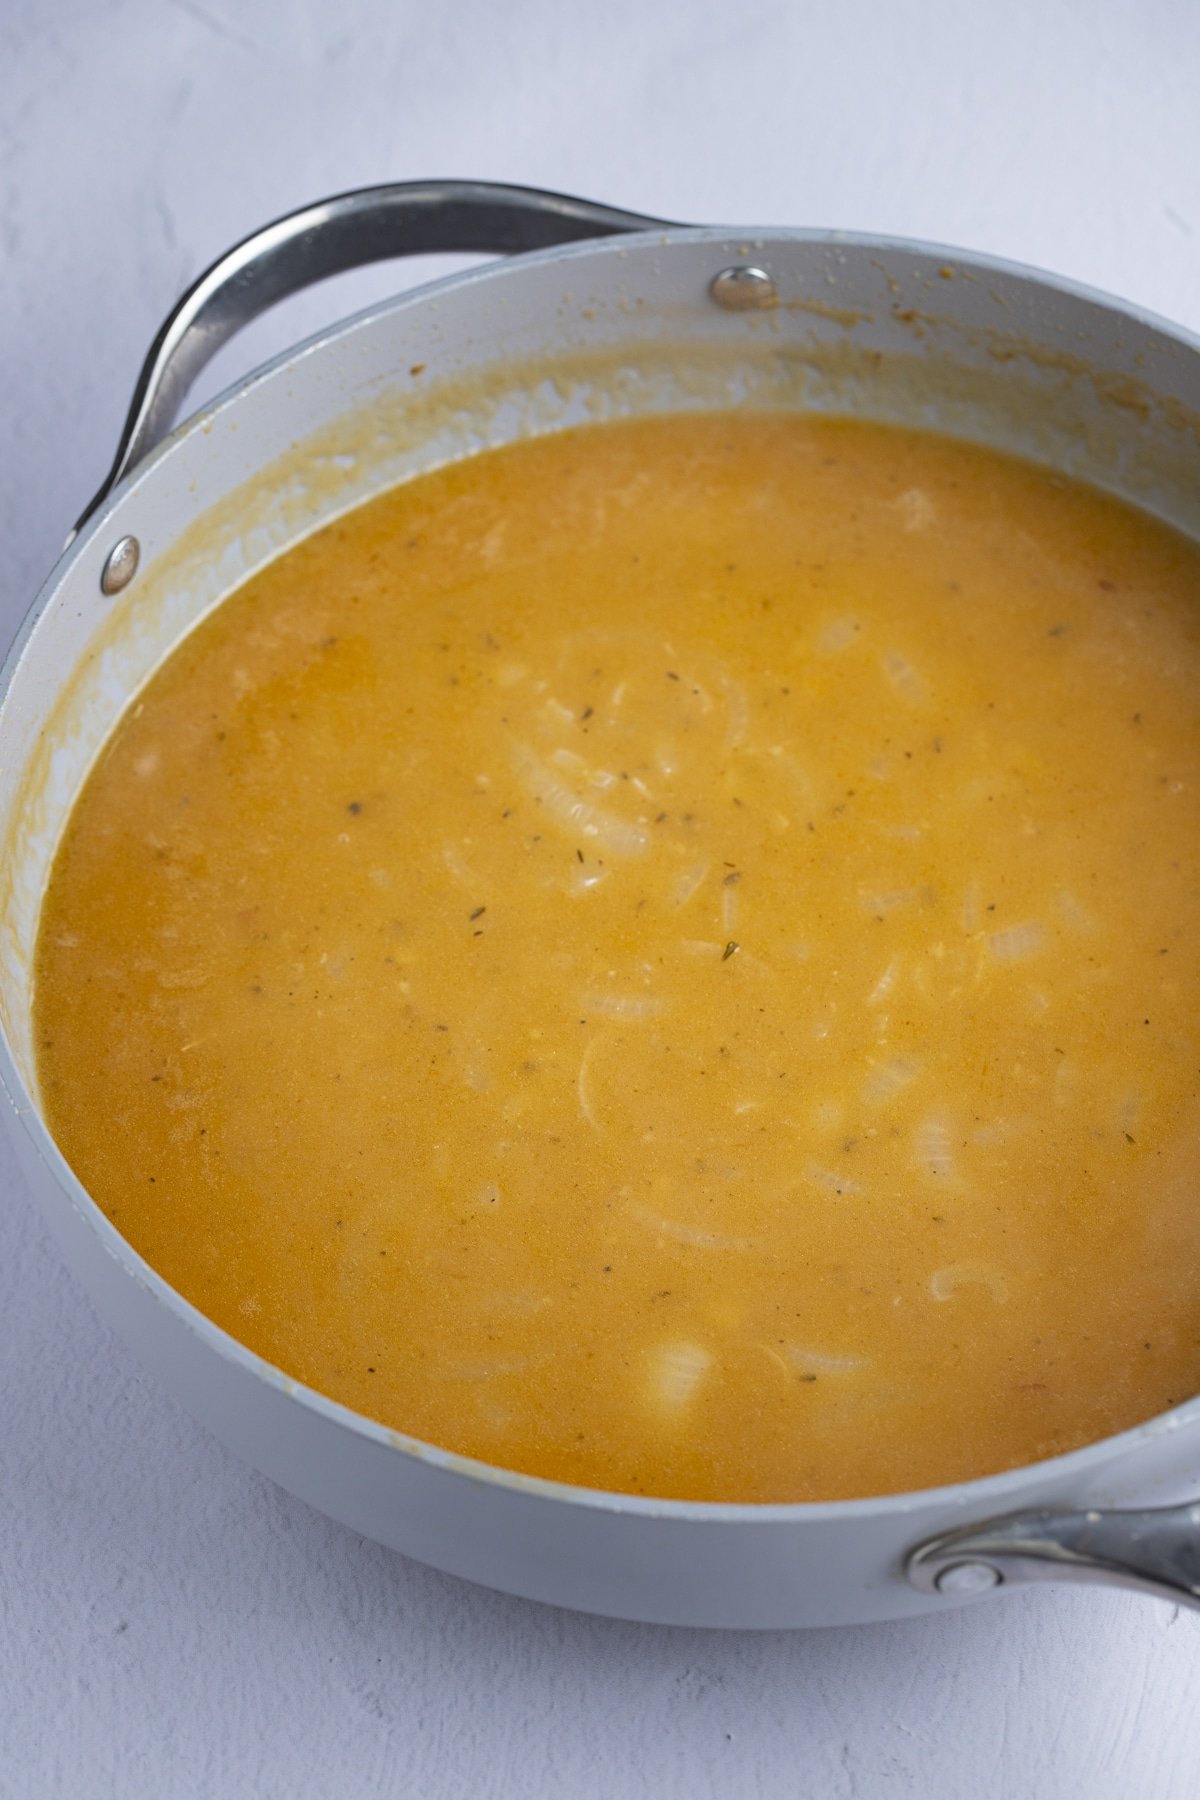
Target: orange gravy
point(666, 957)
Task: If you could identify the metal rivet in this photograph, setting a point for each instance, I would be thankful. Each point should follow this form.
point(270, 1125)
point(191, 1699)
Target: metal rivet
point(743, 289)
point(120, 565)
point(962, 1579)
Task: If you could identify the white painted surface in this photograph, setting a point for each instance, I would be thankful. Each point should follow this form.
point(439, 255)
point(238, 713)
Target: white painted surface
point(169, 1624)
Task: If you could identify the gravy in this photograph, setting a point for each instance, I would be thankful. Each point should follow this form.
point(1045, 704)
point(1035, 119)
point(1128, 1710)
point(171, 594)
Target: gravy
point(665, 957)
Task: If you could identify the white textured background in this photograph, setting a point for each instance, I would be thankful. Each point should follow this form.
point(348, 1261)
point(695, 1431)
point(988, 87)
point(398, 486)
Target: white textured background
point(171, 1624)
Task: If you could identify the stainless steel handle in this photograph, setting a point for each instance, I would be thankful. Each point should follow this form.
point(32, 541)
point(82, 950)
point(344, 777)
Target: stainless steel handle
point(347, 231)
point(1156, 1551)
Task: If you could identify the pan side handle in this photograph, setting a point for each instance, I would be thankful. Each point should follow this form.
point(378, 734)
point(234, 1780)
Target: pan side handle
point(1154, 1551)
point(327, 238)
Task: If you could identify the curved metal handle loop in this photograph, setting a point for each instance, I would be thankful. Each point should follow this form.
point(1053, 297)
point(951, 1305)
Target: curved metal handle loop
point(329, 237)
point(1154, 1551)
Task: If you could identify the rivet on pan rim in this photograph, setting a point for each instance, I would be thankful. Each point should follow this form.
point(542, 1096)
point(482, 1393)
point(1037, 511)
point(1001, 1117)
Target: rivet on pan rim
point(743, 288)
point(963, 1579)
point(120, 565)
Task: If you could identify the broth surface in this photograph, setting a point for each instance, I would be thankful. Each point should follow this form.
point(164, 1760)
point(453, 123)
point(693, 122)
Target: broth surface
point(665, 957)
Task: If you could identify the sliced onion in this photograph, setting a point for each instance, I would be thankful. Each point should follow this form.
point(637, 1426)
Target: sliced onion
point(584, 877)
point(945, 1283)
point(737, 712)
point(679, 1233)
point(583, 1088)
point(885, 984)
point(676, 1371)
point(934, 1149)
point(875, 902)
point(622, 1006)
point(839, 634)
point(903, 677)
point(890, 1078)
point(798, 1358)
point(829, 1178)
point(917, 511)
point(562, 758)
point(1017, 941)
point(689, 883)
point(1074, 913)
point(456, 864)
point(573, 812)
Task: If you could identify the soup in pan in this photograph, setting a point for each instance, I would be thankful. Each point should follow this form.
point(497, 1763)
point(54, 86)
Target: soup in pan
point(666, 957)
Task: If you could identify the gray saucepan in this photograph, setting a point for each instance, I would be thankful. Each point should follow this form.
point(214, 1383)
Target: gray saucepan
point(591, 311)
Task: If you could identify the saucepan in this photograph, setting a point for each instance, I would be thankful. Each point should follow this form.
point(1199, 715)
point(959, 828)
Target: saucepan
point(592, 311)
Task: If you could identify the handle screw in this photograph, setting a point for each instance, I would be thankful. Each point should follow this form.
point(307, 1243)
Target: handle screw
point(743, 289)
point(961, 1580)
point(120, 565)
